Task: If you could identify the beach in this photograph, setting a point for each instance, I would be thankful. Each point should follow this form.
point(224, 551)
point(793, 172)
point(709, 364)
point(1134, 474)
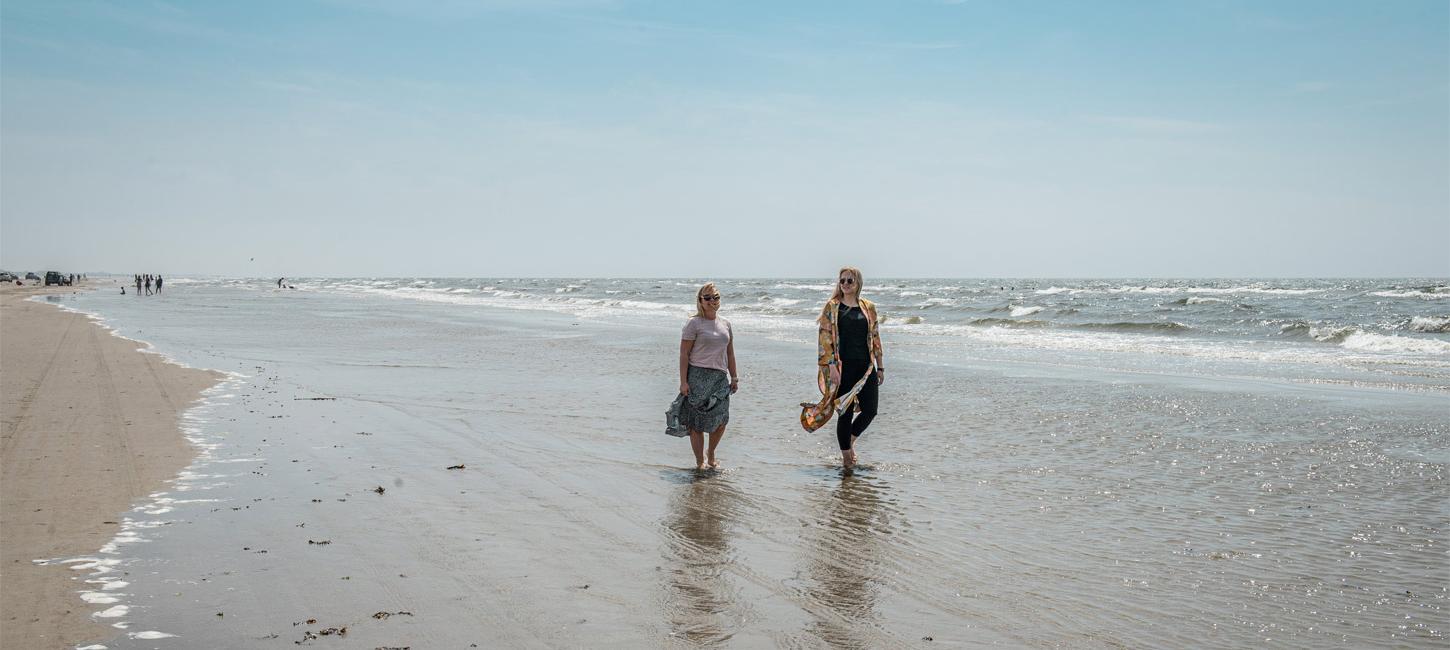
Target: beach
point(440, 463)
point(90, 426)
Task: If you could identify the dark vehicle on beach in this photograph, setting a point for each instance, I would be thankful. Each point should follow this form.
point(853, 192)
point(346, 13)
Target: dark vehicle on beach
point(53, 277)
point(31, 276)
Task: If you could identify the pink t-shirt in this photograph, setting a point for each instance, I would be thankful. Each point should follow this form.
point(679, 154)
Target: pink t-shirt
point(711, 338)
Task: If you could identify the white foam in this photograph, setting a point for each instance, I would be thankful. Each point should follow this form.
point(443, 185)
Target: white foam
point(1432, 324)
point(1208, 290)
point(1051, 291)
point(97, 565)
point(109, 584)
point(1018, 312)
point(1331, 334)
point(812, 287)
point(98, 598)
point(114, 612)
point(1389, 343)
point(150, 634)
point(1436, 293)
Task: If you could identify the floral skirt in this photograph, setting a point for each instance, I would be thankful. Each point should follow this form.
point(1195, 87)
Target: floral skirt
point(708, 405)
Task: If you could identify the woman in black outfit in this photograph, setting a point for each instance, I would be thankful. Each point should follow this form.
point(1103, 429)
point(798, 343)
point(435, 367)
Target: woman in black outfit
point(850, 347)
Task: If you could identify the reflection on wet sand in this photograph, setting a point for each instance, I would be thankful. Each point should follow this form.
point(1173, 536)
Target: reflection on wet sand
point(701, 604)
point(844, 557)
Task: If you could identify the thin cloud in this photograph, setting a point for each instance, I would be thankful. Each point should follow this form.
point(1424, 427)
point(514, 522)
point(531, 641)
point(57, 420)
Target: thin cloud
point(1310, 87)
point(159, 18)
point(461, 9)
point(938, 45)
point(1159, 125)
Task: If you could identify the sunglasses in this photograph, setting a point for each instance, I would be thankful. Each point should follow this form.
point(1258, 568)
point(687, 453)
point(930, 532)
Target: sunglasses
point(848, 280)
point(712, 297)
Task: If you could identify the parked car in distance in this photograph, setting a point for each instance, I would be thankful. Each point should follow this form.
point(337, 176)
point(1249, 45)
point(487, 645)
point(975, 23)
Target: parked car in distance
point(31, 276)
point(54, 277)
point(7, 277)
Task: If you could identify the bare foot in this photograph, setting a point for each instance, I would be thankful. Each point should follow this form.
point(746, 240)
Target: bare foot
point(848, 458)
point(714, 464)
point(702, 466)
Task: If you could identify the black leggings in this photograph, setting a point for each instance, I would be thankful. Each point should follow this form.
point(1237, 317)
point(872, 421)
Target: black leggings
point(849, 425)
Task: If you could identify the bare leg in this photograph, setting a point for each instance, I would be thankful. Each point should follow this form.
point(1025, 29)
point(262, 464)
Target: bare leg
point(697, 445)
point(715, 437)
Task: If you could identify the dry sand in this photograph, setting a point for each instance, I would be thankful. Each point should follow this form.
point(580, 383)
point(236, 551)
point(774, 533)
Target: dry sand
point(90, 424)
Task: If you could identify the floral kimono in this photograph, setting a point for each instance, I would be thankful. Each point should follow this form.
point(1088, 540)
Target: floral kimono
point(815, 415)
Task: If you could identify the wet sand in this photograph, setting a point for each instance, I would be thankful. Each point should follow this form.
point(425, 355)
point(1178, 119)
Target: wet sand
point(421, 475)
point(90, 425)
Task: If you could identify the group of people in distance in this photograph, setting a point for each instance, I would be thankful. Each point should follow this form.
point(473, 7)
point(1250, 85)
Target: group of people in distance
point(146, 281)
point(849, 370)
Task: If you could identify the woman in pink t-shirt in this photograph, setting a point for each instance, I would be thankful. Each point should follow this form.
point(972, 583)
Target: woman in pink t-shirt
point(707, 375)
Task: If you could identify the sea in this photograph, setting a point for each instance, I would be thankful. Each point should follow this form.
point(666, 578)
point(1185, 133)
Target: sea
point(1057, 463)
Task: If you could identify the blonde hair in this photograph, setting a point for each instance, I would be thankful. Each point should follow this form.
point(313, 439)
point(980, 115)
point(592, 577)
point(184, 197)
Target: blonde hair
point(699, 300)
point(838, 294)
point(855, 275)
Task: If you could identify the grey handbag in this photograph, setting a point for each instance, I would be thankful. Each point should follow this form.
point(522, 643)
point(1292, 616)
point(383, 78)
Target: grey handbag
point(672, 418)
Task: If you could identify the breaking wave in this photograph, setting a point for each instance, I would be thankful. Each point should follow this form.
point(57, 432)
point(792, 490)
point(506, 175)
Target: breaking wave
point(1426, 293)
point(1431, 324)
point(1166, 327)
point(1388, 343)
point(1007, 322)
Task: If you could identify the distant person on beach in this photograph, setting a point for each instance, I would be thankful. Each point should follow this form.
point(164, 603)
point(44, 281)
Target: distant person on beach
point(849, 364)
point(707, 375)
point(138, 284)
point(148, 284)
point(279, 282)
point(158, 284)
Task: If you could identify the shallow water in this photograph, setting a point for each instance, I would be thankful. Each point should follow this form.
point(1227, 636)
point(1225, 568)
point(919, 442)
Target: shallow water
point(1110, 494)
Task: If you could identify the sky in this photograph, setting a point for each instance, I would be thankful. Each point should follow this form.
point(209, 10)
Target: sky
point(613, 138)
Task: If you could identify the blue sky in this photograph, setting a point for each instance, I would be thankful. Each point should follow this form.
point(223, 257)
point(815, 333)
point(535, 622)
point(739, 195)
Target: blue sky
point(729, 139)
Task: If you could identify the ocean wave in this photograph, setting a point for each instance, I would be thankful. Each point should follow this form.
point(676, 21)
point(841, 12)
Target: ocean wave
point(932, 303)
point(1026, 310)
point(1051, 291)
point(1319, 333)
point(640, 304)
point(812, 287)
point(1425, 293)
point(1165, 327)
point(1211, 290)
point(1431, 324)
point(1007, 322)
point(1369, 341)
point(1296, 328)
point(1333, 334)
